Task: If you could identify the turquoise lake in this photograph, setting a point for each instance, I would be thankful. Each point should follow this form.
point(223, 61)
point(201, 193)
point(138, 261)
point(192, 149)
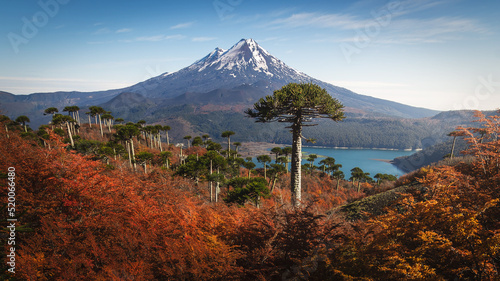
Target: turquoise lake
point(366, 159)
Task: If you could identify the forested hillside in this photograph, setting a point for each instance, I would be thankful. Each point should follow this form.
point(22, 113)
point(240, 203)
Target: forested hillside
point(113, 202)
point(354, 131)
point(430, 155)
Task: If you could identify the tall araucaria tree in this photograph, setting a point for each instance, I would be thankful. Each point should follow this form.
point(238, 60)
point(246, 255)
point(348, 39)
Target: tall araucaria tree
point(51, 110)
point(22, 120)
point(126, 133)
point(166, 129)
point(59, 119)
point(108, 120)
point(228, 134)
point(73, 111)
point(297, 104)
point(98, 111)
point(454, 134)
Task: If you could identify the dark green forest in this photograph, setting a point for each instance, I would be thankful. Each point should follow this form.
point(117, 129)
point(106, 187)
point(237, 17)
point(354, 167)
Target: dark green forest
point(353, 132)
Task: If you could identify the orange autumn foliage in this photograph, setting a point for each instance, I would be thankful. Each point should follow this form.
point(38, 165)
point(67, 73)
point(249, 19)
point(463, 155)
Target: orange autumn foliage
point(449, 232)
point(88, 221)
point(93, 223)
point(79, 219)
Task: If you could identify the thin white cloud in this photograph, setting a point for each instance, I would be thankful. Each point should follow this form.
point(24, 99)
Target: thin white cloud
point(155, 38)
point(436, 30)
point(203, 39)
point(101, 31)
point(183, 25)
point(342, 21)
point(412, 6)
point(399, 29)
point(123, 30)
point(98, 42)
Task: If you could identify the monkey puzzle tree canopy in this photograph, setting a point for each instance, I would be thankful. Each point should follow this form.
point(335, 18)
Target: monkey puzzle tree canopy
point(297, 104)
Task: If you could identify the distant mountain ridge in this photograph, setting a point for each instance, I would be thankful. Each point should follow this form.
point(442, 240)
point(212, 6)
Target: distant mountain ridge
point(247, 63)
point(246, 70)
point(210, 95)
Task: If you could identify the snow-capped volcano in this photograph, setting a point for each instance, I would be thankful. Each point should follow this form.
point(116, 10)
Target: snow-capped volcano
point(235, 77)
point(243, 74)
point(242, 59)
point(208, 60)
point(244, 63)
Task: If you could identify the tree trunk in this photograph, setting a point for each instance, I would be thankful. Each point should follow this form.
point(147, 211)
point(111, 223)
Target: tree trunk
point(211, 185)
point(338, 182)
point(7, 131)
point(159, 142)
point(168, 142)
point(90, 122)
point(100, 126)
point(453, 147)
point(274, 183)
point(133, 153)
point(217, 188)
point(70, 136)
point(127, 144)
point(296, 164)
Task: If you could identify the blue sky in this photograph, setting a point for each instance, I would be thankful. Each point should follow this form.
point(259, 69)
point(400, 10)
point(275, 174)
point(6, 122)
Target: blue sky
point(442, 55)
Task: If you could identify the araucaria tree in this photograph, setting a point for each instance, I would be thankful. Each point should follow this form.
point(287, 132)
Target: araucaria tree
point(228, 134)
point(22, 120)
point(297, 104)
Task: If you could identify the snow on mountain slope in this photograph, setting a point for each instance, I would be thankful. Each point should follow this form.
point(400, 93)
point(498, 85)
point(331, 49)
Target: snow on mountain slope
point(241, 74)
point(244, 63)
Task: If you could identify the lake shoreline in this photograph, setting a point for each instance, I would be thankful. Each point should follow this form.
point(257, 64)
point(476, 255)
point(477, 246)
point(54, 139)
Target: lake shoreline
point(385, 160)
point(253, 149)
point(371, 161)
point(363, 148)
